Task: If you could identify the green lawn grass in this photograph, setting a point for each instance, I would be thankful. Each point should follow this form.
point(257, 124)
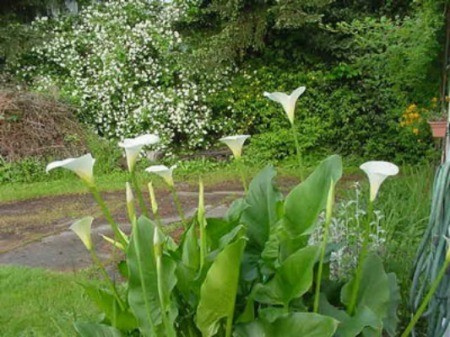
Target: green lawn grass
point(116, 181)
point(188, 172)
point(39, 303)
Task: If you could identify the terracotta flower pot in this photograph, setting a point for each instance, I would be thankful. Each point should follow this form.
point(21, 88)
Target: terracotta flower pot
point(438, 128)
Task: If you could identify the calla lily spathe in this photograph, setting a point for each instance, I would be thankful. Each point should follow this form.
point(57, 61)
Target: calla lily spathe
point(83, 166)
point(287, 101)
point(235, 143)
point(377, 172)
point(133, 146)
point(164, 172)
point(130, 202)
point(82, 228)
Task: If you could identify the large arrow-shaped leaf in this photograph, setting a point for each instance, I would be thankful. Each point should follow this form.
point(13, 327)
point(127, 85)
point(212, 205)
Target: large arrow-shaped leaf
point(143, 295)
point(291, 280)
point(351, 326)
point(374, 291)
point(107, 303)
point(218, 291)
point(261, 214)
point(308, 199)
point(377, 303)
point(189, 266)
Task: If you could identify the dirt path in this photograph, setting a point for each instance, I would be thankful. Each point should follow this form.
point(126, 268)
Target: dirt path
point(35, 232)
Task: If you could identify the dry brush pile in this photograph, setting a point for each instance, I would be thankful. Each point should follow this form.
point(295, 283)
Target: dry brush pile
point(33, 125)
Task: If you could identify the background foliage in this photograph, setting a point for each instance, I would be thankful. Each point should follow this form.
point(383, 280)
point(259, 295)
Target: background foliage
point(199, 70)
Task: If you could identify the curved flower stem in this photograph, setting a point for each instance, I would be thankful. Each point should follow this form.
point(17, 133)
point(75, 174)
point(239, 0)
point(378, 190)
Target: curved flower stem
point(299, 154)
point(426, 300)
point(135, 183)
point(326, 229)
point(160, 280)
point(322, 257)
point(178, 205)
point(242, 172)
point(118, 234)
point(202, 223)
point(157, 218)
point(362, 258)
point(107, 278)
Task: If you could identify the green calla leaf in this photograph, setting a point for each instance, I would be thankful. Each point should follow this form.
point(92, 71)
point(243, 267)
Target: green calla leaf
point(143, 294)
point(374, 291)
point(190, 250)
point(248, 315)
point(289, 325)
point(215, 230)
point(96, 330)
point(291, 280)
point(262, 211)
point(304, 203)
point(235, 211)
point(219, 290)
point(364, 320)
point(259, 217)
point(188, 267)
point(123, 269)
point(270, 254)
point(107, 303)
point(391, 320)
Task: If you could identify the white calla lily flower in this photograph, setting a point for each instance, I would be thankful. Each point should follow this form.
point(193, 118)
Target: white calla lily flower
point(287, 101)
point(235, 143)
point(377, 172)
point(133, 146)
point(82, 228)
point(83, 166)
point(164, 172)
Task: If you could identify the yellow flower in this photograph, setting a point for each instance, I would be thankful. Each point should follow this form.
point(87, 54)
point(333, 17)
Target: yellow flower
point(416, 131)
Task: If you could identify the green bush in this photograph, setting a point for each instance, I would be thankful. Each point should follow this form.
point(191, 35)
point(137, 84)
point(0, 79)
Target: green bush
point(127, 69)
point(27, 170)
point(340, 111)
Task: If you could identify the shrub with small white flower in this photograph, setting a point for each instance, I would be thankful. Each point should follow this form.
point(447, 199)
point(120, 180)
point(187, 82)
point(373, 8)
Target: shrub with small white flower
point(124, 65)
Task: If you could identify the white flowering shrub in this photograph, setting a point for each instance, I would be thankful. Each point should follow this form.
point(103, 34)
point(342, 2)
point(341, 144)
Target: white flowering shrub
point(128, 70)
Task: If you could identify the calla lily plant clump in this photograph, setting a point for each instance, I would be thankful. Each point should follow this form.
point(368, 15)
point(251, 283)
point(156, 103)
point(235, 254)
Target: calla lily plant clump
point(252, 273)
